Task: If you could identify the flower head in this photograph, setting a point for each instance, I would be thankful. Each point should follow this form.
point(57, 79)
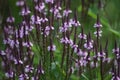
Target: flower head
point(52, 48)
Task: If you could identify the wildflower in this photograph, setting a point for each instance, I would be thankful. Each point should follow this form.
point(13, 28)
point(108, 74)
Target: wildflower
point(2, 53)
point(10, 42)
point(44, 20)
point(56, 11)
point(40, 70)
point(82, 36)
point(27, 44)
point(11, 19)
point(88, 45)
point(16, 61)
point(107, 60)
point(40, 7)
point(65, 27)
point(49, 1)
point(81, 62)
point(98, 33)
point(115, 78)
point(29, 68)
point(47, 30)
point(75, 23)
point(82, 53)
point(115, 50)
point(66, 12)
point(67, 41)
point(35, 19)
point(25, 11)
point(97, 25)
point(101, 55)
point(9, 74)
point(52, 48)
point(74, 46)
point(20, 3)
point(23, 77)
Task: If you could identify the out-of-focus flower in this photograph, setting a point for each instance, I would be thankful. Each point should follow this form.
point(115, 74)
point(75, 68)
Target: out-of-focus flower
point(2, 53)
point(82, 36)
point(35, 19)
point(9, 74)
point(20, 3)
point(40, 7)
point(52, 48)
point(49, 1)
point(29, 68)
point(88, 45)
point(47, 30)
point(66, 12)
point(11, 19)
point(98, 33)
point(23, 77)
point(75, 23)
point(25, 11)
point(97, 25)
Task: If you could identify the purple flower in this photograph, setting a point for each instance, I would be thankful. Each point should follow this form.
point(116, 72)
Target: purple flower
point(29, 68)
point(20, 3)
point(101, 55)
point(40, 7)
point(75, 23)
point(35, 20)
point(10, 42)
point(56, 11)
point(81, 62)
point(27, 44)
point(82, 53)
point(47, 30)
point(88, 45)
point(82, 36)
point(21, 32)
point(74, 46)
point(9, 74)
point(10, 19)
point(67, 41)
point(66, 12)
point(49, 1)
point(98, 33)
point(25, 11)
point(16, 61)
point(2, 53)
point(23, 77)
point(107, 60)
point(115, 78)
point(8, 30)
point(115, 50)
point(92, 64)
point(40, 71)
point(44, 20)
point(52, 48)
point(97, 25)
point(65, 27)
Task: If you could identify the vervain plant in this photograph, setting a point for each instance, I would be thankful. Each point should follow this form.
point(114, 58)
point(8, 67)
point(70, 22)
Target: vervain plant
point(51, 28)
